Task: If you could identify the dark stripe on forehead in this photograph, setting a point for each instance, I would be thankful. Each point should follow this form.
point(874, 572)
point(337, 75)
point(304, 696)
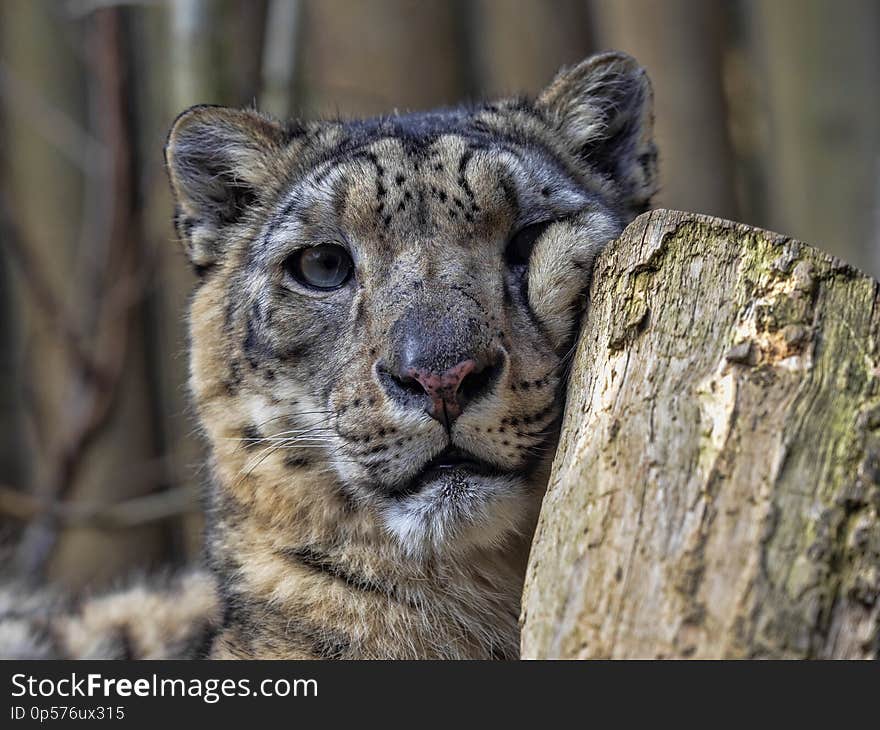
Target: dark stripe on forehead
point(419, 128)
point(297, 203)
point(462, 178)
point(339, 198)
point(298, 206)
point(339, 158)
point(290, 206)
point(416, 133)
point(530, 153)
point(511, 196)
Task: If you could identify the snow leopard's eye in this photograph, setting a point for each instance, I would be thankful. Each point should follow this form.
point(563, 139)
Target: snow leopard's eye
point(519, 248)
point(326, 266)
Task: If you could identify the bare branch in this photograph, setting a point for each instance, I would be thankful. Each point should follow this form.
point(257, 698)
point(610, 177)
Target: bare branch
point(41, 291)
point(61, 130)
point(129, 513)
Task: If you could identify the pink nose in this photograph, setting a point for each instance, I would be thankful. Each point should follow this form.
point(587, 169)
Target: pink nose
point(443, 388)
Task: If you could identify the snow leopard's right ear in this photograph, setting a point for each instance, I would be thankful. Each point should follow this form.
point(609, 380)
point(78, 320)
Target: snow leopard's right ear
point(218, 161)
point(603, 109)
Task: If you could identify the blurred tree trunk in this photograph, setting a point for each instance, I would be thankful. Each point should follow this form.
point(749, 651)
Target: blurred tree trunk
point(197, 75)
point(280, 53)
point(820, 63)
point(518, 47)
point(183, 67)
point(170, 280)
point(214, 50)
point(13, 460)
point(12, 445)
point(680, 43)
point(110, 464)
point(367, 58)
point(716, 491)
point(45, 155)
point(43, 165)
point(244, 36)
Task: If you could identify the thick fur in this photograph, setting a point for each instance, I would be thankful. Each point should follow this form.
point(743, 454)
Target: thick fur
point(327, 539)
point(154, 618)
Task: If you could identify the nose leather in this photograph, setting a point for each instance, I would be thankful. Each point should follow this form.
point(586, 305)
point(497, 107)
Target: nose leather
point(439, 364)
point(442, 388)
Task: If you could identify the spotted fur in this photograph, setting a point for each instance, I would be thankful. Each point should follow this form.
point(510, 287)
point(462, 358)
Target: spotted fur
point(154, 618)
point(327, 538)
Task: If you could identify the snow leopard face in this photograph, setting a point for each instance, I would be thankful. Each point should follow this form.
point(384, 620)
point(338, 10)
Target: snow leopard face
point(386, 306)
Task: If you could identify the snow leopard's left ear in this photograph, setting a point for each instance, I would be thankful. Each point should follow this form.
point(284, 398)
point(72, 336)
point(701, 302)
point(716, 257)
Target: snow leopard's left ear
point(603, 110)
point(218, 161)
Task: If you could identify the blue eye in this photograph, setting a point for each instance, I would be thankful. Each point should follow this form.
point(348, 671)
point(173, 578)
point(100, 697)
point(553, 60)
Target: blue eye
point(326, 266)
point(519, 248)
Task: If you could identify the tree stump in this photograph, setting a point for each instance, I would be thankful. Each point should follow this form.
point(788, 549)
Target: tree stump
point(717, 485)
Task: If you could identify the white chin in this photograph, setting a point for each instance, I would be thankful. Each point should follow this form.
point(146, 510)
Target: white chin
point(457, 511)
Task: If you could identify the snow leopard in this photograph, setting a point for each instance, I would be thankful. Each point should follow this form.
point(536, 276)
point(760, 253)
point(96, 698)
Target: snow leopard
point(384, 313)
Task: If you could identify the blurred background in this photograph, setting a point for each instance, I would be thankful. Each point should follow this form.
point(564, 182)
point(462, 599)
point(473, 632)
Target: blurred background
point(766, 111)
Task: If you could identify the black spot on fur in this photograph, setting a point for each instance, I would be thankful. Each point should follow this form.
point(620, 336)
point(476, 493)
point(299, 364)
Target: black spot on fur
point(200, 641)
point(251, 436)
point(292, 130)
point(125, 641)
point(256, 351)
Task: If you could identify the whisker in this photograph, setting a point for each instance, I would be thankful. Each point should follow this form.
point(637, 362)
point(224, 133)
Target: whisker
point(278, 437)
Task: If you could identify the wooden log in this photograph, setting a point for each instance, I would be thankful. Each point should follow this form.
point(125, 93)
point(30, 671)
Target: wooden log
point(717, 486)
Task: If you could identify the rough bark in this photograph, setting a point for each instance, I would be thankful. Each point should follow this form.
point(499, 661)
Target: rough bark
point(717, 487)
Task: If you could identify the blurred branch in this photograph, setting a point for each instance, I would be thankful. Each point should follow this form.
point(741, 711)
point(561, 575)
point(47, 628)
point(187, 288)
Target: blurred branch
point(81, 8)
point(129, 513)
point(41, 291)
point(61, 130)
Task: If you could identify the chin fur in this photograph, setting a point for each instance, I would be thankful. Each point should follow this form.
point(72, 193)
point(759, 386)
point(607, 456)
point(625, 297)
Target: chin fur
point(458, 512)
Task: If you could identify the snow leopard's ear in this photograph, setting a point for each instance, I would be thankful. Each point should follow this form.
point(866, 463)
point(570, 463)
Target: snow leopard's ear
point(603, 110)
point(218, 160)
